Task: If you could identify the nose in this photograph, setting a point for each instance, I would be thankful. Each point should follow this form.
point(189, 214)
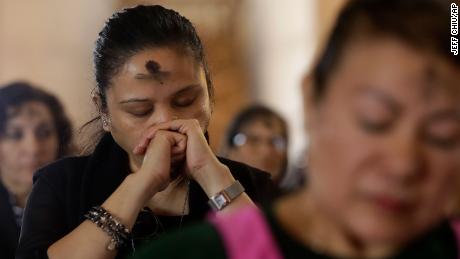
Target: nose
point(162, 114)
point(266, 148)
point(405, 158)
point(31, 145)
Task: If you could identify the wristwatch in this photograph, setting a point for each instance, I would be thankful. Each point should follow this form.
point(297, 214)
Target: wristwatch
point(226, 196)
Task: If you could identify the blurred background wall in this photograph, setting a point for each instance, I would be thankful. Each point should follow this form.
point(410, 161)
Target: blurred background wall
point(258, 50)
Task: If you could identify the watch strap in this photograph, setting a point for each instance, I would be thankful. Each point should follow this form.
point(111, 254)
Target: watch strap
point(226, 196)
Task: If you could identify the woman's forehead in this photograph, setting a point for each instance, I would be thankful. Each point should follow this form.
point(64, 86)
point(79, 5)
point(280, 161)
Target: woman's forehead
point(265, 122)
point(160, 66)
point(392, 63)
point(155, 61)
point(28, 112)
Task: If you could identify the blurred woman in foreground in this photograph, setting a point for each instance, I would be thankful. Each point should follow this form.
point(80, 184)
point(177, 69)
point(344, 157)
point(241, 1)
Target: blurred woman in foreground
point(383, 118)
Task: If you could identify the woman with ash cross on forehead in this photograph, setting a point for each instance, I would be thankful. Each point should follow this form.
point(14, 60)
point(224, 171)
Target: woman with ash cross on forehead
point(152, 170)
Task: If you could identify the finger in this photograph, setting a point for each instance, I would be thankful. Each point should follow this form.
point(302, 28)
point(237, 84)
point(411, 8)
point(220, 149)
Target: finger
point(146, 137)
point(142, 146)
point(158, 150)
point(182, 126)
point(180, 145)
point(144, 143)
point(177, 142)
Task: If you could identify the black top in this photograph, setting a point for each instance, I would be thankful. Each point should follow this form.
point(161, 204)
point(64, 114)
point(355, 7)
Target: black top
point(9, 229)
point(439, 243)
point(64, 191)
point(204, 241)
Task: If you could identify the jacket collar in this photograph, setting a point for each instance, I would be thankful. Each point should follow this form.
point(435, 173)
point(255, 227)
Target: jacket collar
point(105, 170)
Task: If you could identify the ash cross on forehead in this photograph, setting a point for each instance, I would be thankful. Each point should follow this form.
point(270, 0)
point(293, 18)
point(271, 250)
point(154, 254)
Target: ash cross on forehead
point(155, 72)
point(433, 81)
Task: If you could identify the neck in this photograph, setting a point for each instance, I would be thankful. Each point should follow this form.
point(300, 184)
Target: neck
point(173, 201)
point(314, 228)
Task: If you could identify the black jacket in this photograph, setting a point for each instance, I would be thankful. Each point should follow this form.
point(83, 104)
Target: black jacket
point(9, 230)
point(64, 191)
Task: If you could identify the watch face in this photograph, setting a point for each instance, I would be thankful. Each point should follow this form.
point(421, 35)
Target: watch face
point(220, 201)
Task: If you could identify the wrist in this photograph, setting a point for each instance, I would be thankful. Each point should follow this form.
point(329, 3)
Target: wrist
point(140, 190)
point(127, 200)
point(213, 178)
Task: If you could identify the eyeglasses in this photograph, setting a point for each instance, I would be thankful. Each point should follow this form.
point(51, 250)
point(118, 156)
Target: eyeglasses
point(241, 139)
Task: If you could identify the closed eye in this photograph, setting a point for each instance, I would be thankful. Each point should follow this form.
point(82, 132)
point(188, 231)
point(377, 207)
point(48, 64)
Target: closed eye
point(376, 111)
point(375, 126)
point(140, 113)
point(187, 96)
point(184, 102)
point(443, 133)
point(15, 135)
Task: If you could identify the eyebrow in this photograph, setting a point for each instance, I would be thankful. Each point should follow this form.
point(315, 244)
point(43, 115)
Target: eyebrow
point(134, 100)
point(445, 115)
point(142, 76)
point(383, 97)
point(188, 88)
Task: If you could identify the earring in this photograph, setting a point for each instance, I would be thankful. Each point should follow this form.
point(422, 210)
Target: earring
point(105, 123)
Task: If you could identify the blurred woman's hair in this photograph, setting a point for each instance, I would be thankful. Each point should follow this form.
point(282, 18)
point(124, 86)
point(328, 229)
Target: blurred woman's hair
point(248, 116)
point(14, 95)
point(422, 24)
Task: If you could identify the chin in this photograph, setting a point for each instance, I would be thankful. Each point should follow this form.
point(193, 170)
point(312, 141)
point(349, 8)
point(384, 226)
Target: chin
point(389, 231)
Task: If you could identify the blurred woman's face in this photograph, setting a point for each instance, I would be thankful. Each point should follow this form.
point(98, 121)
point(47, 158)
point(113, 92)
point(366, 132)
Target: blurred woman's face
point(261, 144)
point(156, 85)
point(385, 141)
point(30, 141)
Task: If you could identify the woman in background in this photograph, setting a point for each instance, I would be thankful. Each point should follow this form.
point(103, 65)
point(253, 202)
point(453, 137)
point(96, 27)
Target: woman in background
point(258, 136)
point(383, 118)
point(34, 131)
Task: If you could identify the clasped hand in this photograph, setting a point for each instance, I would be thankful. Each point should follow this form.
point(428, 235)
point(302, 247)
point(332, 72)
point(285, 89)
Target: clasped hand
point(180, 141)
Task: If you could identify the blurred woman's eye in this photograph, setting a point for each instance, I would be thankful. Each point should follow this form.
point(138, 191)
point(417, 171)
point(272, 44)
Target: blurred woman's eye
point(374, 125)
point(444, 142)
point(443, 135)
point(44, 132)
point(14, 135)
point(184, 102)
point(375, 114)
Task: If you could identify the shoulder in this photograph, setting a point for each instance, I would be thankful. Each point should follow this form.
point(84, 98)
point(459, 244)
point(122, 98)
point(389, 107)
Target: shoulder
point(196, 241)
point(69, 169)
point(241, 170)
point(439, 242)
point(257, 183)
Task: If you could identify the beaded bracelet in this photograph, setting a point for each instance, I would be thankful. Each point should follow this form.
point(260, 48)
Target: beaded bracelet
point(114, 228)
